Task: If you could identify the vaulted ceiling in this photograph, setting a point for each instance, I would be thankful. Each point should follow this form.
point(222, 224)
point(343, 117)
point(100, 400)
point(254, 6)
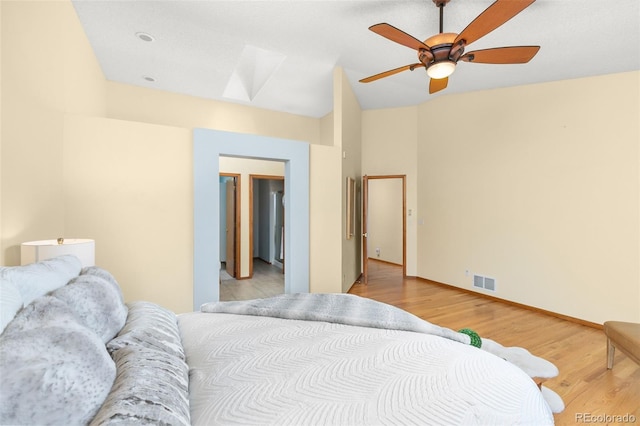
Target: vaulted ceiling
point(280, 55)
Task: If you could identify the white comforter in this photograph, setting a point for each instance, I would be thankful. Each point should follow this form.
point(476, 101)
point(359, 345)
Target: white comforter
point(249, 370)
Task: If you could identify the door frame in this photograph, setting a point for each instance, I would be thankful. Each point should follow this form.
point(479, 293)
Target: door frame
point(365, 230)
point(208, 146)
point(251, 179)
point(237, 258)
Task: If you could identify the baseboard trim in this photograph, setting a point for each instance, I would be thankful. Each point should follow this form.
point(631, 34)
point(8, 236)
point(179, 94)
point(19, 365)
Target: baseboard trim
point(519, 305)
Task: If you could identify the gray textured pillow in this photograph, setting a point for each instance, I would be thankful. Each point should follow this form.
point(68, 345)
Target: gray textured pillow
point(37, 279)
point(152, 326)
point(151, 388)
point(96, 302)
point(53, 369)
point(45, 311)
point(104, 274)
point(10, 302)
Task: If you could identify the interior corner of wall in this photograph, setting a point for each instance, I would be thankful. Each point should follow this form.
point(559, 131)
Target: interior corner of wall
point(337, 106)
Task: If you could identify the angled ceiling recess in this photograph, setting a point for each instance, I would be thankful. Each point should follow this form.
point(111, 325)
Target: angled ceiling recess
point(255, 67)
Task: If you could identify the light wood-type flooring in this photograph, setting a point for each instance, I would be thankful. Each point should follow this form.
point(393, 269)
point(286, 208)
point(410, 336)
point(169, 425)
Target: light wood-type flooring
point(579, 351)
point(267, 281)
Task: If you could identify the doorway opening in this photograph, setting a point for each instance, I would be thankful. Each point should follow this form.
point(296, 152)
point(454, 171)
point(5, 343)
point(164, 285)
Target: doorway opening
point(251, 228)
point(208, 147)
point(266, 243)
point(266, 220)
point(230, 197)
point(384, 222)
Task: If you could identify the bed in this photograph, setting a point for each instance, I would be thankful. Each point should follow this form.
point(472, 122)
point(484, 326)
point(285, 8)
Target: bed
point(73, 352)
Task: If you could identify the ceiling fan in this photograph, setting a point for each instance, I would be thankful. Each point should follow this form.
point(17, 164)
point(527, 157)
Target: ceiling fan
point(440, 53)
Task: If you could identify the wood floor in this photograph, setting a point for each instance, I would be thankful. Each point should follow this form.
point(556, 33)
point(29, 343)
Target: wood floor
point(579, 351)
point(267, 281)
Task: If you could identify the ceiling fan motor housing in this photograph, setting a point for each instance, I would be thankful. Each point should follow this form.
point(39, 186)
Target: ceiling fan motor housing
point(443, 54)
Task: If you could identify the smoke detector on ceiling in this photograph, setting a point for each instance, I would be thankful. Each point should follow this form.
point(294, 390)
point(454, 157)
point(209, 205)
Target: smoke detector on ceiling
point(145, 37)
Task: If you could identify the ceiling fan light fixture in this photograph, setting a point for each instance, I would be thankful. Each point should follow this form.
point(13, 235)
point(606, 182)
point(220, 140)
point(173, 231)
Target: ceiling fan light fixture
point(441, 69)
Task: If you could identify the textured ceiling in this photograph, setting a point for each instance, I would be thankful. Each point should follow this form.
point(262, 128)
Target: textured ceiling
point(280, 55)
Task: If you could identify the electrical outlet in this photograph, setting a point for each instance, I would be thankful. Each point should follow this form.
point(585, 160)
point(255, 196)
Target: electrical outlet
point(378, 251)
point(466, 272)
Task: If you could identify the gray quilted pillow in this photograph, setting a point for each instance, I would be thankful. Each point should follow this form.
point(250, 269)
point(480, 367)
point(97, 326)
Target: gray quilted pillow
point(151, 388)
point(53, 369)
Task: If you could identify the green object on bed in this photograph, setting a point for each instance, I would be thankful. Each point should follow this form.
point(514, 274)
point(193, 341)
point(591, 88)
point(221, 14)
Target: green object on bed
point(475, 338)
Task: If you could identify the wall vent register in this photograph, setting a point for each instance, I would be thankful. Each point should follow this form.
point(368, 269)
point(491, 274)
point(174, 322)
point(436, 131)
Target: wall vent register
point(486, 283)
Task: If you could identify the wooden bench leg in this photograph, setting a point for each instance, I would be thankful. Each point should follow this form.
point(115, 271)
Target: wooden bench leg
point(610, 354)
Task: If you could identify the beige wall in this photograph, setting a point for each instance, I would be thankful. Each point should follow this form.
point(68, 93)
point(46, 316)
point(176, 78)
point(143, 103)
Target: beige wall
point(48, 70)
point(326, 130)
point(129, 186)
point(389, 146)
point(325, 207)
point(1, 227)
point(537, 187)
point(152, 106)
point(325, 236)
point(136, 200)
point(148, 105)
point(348, 130)
point(58, 131)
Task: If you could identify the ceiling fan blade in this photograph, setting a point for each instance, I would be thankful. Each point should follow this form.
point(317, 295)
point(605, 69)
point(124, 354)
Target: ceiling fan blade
point(399, 36)
point(438, 85)
point(492, 17)
point(390, 72)
point(502, 55)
